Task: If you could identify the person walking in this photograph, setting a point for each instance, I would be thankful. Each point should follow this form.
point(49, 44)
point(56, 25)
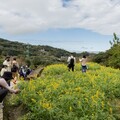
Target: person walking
point(71, 62)
point(83, 63)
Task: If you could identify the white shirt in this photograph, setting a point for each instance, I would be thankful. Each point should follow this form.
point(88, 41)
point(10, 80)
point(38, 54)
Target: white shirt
point(70, 58)
point(8, 64)
point(2, 71)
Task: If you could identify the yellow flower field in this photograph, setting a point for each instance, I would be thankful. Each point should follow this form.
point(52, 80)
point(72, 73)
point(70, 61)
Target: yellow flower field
point(60, 94)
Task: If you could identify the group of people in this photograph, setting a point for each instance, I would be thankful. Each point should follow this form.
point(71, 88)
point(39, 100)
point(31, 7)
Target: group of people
point(10, 67)
point(24, 71)
point(8, 72)
point(11, 71)
point(72, 60)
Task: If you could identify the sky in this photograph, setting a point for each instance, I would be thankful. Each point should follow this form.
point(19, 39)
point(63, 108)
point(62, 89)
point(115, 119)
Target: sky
point(72, 25)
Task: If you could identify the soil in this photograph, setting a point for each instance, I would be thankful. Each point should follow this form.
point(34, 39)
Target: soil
point(12, 112)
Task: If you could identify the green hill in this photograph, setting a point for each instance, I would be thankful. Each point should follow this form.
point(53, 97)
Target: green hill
point(36, 54)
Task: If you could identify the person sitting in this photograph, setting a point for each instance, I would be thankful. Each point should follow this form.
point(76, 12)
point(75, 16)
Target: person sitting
point(24, 71)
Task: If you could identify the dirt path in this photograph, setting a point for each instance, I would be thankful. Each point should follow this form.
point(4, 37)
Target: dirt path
point(36, 73)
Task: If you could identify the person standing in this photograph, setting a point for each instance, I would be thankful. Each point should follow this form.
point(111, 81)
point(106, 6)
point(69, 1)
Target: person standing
point(15, 67)
point(8, 63)
point(71, 62)
point(83, 63)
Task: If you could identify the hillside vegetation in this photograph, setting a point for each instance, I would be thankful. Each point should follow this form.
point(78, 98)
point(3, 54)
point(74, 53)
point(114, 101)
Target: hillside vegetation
point(62, 95)
point(112, 56)
point(34, 55)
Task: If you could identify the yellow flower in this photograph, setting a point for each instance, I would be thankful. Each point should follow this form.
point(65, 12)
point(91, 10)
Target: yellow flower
point(77, 89)
point(70, 108)
point(33, 100)
point(55, 85)
point(110, 110)
point(97, 94)
point(46, 105)
point(93, 99)
point(86, 100)
point(103, 104)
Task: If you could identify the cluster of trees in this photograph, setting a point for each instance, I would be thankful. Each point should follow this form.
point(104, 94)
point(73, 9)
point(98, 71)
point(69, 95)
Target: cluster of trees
point(112, 56)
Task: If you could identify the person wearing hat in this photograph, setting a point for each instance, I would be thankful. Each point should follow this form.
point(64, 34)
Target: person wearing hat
point(4, 89)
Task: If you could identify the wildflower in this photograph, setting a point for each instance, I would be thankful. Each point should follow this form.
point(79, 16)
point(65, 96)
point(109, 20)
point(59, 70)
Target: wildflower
point(47, 105)
point(103, 104)
point(78, 89)
point(110, 110)
point(70, 108)
point(97, 94)
point(86, 100)
point(33, 100)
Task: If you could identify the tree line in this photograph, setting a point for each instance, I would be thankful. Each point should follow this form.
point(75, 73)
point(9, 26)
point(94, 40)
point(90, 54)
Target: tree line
point(112, 56)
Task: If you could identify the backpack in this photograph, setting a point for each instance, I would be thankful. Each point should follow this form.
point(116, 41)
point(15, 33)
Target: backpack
point(72, 61)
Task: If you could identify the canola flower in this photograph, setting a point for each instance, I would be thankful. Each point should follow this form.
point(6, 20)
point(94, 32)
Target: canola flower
point(33, 100)
point(60, 91)
point(102, 104)
point(46, 105)
point(110, 110)
point(70, 108)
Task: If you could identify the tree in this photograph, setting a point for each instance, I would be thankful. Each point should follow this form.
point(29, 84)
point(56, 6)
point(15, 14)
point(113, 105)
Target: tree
point(112, 56)
point(115, 41)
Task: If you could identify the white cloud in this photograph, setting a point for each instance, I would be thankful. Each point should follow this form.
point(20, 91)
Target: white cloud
point(25, 16)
